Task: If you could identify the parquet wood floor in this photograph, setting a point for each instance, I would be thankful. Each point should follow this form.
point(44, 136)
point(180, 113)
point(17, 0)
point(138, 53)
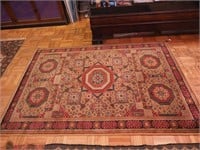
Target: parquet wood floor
point(184, 47)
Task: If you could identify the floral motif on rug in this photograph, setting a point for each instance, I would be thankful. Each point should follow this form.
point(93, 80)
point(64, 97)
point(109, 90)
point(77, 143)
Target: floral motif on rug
point(103, 89)
point(8, 50)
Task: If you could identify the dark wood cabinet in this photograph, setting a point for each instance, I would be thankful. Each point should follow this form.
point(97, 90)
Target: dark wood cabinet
point(158, 18)
point(32, 13)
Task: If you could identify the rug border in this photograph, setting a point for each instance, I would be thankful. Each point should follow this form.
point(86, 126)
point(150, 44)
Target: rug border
point(120, 145)
point(181, 72)
point(104, 131)
point(44, 146)
point(17, 86)
point(146, 146)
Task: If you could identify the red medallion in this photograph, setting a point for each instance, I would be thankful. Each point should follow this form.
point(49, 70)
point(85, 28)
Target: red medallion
point(97, 78)
point(162, 94)
point(150, 61)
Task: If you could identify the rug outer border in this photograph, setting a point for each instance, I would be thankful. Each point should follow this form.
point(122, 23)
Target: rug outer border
point(182, 74)
point(17, 86)
point(105, 131)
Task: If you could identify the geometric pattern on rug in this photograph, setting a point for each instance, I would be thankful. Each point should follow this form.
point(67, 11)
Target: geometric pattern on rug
point(8, 50)
point(103, 89)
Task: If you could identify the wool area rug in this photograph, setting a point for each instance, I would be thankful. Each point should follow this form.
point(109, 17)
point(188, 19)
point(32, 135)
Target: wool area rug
point(184, 146)
point(8, 50)
point(103, 89)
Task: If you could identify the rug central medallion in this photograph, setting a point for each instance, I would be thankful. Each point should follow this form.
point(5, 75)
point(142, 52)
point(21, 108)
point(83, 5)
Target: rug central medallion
point(98, 78)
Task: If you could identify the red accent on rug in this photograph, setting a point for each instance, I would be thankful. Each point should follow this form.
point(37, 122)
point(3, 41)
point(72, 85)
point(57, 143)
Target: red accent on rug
point(103, 89)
